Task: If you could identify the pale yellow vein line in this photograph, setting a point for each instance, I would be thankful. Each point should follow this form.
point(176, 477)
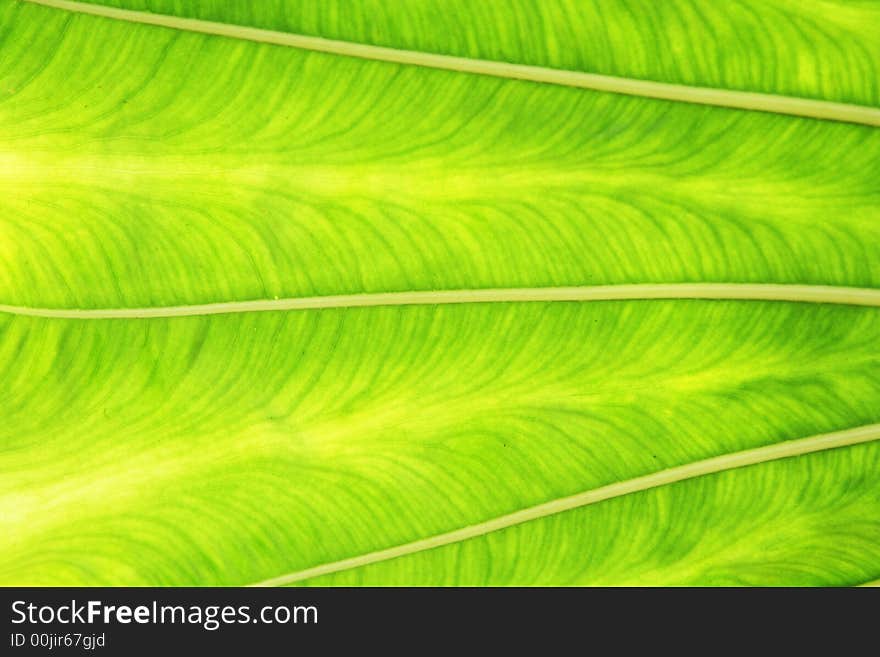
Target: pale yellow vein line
point(806, 107)
point(662, 478)
point(742, 291)
point(875, 583)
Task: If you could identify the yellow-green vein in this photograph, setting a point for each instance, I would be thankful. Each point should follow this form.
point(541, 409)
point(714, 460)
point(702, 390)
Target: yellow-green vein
point(740, 291)
point(709, 466)
point(806, 107)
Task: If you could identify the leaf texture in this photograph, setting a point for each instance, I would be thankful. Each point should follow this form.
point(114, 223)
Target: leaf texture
point(826, 49)
point(145, 167)
point(148, 443)
point(395, 180)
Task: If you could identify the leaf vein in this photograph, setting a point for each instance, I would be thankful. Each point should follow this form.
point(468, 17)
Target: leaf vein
point(645, 291)
point(730, 98)
point(714, 465)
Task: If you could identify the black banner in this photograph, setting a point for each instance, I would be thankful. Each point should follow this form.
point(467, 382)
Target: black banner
point(127, 621)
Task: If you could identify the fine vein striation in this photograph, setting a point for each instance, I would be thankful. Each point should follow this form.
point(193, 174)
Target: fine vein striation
point(811, 108)
point(144, 452)
point(663, 478)
point(783, 520)
point(221, 170)
point(690, 42)
point(427, 224)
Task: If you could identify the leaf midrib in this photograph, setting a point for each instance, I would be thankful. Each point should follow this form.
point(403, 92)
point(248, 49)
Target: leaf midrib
point(744, 100)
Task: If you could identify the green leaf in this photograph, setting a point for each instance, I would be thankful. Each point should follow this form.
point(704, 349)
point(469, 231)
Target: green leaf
point(828, 49)
point(592, 352)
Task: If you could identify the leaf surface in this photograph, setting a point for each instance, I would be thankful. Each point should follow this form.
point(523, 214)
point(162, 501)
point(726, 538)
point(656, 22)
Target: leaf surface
point(774, 46)
point(146, 167)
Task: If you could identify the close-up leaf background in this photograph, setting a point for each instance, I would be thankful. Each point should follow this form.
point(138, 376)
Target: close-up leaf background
point(396, 427)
